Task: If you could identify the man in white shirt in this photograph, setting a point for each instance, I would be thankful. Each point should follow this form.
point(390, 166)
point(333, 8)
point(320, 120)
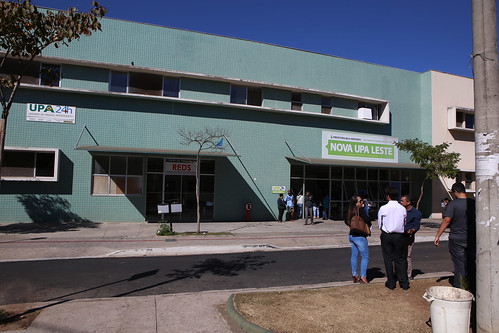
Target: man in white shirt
point(391, 222)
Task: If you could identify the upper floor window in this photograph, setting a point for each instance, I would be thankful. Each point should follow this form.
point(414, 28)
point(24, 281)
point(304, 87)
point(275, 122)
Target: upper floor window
point(461, 119)
point(50, 75)
point(117, 175)
point(296, 103)
point(245, 95)
point(468, 178)
point(465, 120)
point(145, 83)
point(171, 86)
point(24, 164)
point(326, 105)
point(118, 81)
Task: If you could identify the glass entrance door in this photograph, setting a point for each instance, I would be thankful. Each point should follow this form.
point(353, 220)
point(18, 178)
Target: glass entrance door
point(163, 187)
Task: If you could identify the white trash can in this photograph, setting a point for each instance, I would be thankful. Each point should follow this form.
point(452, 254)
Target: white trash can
point(450, 309)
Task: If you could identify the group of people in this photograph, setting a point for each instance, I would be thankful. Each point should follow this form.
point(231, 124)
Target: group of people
point(399, 222)
point(302, 206)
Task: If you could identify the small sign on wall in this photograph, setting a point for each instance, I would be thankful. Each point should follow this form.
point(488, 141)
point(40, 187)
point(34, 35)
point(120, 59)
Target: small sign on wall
point(278, 189)
point(51, 113)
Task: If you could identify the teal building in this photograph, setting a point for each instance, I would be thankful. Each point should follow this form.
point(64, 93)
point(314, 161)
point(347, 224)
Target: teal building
point(102, 143)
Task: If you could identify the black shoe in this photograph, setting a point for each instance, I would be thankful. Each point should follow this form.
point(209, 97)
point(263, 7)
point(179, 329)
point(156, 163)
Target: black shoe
point(405, 287)
point(389, 285)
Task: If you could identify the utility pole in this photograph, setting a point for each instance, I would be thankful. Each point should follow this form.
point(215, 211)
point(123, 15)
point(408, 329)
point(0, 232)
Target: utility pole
point(486, 80)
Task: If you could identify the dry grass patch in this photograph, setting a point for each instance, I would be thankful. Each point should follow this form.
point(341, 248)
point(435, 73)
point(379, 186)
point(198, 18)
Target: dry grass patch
point(351, 308)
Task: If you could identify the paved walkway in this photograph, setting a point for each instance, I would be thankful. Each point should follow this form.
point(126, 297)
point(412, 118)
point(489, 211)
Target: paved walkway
point(192, 312)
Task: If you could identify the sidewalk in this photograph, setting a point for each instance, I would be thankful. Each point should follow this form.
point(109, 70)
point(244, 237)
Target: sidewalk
point(190, 312)
point(139, 239)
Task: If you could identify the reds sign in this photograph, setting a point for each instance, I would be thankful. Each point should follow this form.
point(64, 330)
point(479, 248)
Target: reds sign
point(180, 167)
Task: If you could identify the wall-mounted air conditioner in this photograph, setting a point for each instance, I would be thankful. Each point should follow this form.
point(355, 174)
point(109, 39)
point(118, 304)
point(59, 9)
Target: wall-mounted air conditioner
point(365, 113)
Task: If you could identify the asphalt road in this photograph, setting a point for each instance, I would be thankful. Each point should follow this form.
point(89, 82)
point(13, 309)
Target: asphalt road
point(59, 280)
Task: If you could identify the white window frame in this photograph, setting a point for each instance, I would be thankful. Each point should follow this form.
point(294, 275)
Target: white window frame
point(55, 178)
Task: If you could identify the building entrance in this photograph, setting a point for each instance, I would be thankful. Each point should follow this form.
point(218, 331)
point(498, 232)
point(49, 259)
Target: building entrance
point(163, 186)
point(333, 186)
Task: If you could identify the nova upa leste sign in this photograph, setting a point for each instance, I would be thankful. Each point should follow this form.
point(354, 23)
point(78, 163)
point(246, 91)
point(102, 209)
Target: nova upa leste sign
point(337, 145)
point(51, 113)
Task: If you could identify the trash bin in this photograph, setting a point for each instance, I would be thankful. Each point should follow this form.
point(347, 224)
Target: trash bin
point(450, 309)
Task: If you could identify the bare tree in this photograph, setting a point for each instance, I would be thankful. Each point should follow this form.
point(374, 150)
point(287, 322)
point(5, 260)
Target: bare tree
point(206, 139)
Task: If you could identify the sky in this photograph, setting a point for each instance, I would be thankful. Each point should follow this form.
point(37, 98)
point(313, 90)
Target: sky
point(418, 35)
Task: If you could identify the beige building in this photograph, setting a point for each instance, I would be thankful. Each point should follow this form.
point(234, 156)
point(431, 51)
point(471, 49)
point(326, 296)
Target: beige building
point(453, 122)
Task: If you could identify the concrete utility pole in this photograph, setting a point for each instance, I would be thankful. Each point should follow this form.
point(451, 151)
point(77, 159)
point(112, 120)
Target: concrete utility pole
point(486, 79)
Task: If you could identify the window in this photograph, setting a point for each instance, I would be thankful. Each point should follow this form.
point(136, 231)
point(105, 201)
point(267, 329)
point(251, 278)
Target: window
point(50, 75)
point(118, 81)
point(245, 95)
point(14, 66)
point(465, 120)
point(171, 87)
point(145, 83)
point(33, 164)
point(461, 119)
point(296, 103)
point(326, 105)
point(468, 178)
point(238, 94)
point(117, 175)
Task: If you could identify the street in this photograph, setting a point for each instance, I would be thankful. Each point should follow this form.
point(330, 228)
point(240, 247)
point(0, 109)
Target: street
point(59, 280)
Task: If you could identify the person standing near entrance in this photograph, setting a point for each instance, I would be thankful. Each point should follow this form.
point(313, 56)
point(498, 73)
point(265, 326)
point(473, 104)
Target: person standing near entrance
point(308, 213)
point(281, 206)
point(299, 204)
point(290, 204)
point(325, 207)
point(460, 217)
point(412, 225)
point(391, 222)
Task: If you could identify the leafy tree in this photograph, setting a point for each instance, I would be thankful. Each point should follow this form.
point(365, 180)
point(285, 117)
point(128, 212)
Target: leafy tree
point(434, 159)
point(206, 139)
point(25, 32)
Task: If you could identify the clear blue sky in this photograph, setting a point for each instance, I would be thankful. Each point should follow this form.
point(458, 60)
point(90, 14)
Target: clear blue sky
point(415, 35)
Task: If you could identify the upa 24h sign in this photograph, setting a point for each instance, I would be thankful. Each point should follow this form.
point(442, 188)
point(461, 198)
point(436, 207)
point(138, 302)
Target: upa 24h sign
point(51, 113)
point(337, 145)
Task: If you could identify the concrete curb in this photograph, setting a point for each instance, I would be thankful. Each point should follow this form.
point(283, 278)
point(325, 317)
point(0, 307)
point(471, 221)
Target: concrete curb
point(240, 321)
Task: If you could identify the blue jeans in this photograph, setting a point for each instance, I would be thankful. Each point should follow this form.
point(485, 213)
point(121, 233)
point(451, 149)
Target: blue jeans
point(300, 210)
point(359, 245)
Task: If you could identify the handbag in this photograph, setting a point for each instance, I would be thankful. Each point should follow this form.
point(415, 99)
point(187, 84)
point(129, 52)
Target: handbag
point(358, 224)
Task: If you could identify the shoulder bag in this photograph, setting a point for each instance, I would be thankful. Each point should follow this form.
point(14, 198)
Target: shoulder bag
point(358, 224)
